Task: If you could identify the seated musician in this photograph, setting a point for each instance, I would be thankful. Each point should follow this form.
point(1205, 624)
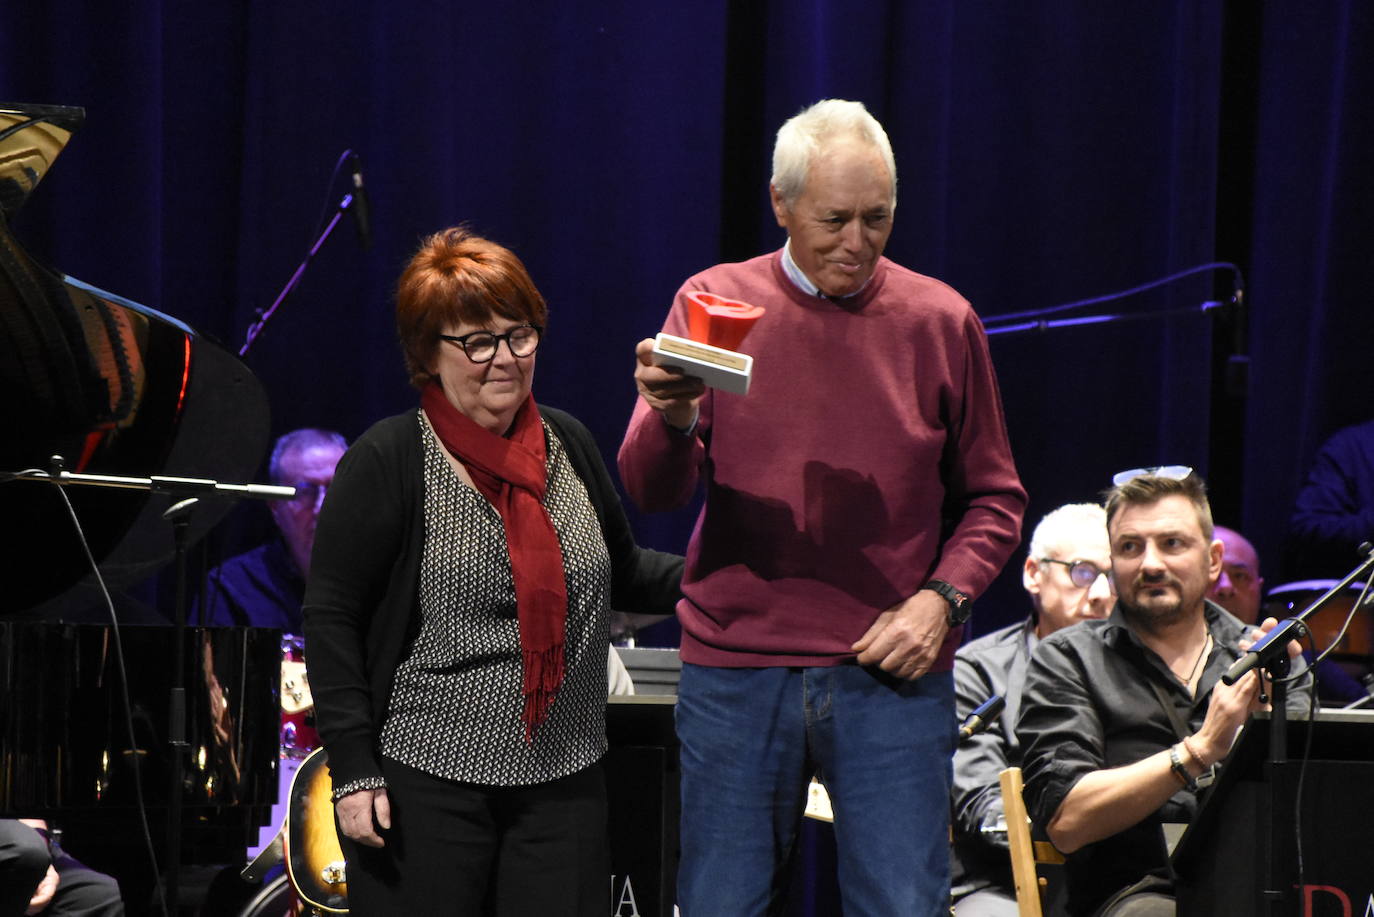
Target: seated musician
point(1121, 717)
point(38, 877)
point(265, 586)
point(1239, 586)
point(457, 615)
point(1333, 514)
point(1066, 576)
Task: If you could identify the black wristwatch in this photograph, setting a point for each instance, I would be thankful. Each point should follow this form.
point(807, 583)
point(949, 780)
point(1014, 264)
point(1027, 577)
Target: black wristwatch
point(960, 605)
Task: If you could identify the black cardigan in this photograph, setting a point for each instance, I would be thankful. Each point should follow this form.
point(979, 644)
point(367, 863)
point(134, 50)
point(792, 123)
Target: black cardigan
point(361, 599)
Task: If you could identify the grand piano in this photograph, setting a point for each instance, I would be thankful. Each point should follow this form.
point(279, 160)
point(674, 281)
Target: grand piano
point(121, 389)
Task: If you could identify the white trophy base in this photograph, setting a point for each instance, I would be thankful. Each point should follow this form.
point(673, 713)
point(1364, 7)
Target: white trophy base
point(719, 368)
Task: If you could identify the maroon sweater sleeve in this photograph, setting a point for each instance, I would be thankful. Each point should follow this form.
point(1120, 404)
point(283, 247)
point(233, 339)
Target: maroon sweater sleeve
point(983, 491)
point(659, 466)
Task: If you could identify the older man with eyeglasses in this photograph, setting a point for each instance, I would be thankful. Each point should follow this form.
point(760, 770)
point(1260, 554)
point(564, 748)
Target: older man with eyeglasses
point(1067, 574)
point(264, 587)
point(1123, 719)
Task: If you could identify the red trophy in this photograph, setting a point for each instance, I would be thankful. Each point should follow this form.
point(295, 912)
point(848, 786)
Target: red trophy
point(717, 326)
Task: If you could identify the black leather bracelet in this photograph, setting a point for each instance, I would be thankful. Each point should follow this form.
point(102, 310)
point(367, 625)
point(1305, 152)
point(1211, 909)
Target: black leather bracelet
point(1181, 772)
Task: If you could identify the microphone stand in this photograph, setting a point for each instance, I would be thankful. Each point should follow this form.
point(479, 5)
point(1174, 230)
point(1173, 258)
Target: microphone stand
point(345, 204)
point(1105, 319)
point(179, 515)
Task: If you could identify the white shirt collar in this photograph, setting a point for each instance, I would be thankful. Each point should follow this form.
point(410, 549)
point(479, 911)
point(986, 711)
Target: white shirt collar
point(795, 274)
point(803, 283)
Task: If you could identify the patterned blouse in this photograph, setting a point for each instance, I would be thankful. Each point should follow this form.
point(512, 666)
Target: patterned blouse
point(456, 703)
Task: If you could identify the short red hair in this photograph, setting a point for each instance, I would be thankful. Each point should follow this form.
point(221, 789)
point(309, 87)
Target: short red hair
point(458, 277)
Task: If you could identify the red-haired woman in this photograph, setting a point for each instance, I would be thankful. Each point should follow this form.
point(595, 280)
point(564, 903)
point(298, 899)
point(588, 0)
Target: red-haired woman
point(465, 564)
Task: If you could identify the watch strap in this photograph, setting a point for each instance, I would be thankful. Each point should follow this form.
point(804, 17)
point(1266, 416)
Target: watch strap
point(959, 602)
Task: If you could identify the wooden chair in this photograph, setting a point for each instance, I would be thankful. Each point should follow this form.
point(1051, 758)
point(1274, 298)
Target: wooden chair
point(1025, 853)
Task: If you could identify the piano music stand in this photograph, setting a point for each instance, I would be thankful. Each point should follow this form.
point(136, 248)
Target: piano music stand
point(179, 515)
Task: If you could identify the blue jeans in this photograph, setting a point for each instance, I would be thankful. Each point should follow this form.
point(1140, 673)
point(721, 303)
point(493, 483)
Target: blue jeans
point(752, 739)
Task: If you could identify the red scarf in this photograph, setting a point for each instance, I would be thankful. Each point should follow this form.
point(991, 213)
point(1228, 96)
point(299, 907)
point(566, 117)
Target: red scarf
point(510, 472)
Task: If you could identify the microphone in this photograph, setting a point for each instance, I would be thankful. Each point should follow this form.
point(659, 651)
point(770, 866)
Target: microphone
point(1263, 651)
point(361, 216)
point(982, 716)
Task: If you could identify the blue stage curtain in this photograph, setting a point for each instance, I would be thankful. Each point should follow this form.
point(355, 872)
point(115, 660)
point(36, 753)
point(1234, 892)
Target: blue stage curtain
point(1046, 152)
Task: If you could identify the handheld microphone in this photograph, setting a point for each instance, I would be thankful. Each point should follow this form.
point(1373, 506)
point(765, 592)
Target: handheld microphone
point(361, 215)
point(982, 716)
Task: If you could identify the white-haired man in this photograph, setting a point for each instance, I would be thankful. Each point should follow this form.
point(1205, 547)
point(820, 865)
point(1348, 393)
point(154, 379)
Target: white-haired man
point(264, 587)
point(856, 499)
point(1067, 576)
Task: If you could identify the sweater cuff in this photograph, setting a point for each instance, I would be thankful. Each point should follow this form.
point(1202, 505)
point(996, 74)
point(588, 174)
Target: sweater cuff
point(351, 760)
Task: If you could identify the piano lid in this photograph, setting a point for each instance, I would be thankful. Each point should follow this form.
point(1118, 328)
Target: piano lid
point(31, 136)
point(112, 386)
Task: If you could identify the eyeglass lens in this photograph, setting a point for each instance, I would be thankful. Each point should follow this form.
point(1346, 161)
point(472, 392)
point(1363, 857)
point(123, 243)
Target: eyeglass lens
point(1081, 572)
point(308, 494)
point(1084, 573)
point(481, 346)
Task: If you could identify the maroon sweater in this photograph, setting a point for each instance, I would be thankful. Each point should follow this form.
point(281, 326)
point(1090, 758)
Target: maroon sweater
point(869, 456)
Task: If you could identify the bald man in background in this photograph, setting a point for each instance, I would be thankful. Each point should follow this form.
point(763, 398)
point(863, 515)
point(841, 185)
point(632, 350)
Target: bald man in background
point(1240, 587)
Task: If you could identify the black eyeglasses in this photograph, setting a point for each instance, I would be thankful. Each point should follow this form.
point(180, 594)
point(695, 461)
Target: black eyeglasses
point(1082, 572)
point(1172, 472)
point(481, 346)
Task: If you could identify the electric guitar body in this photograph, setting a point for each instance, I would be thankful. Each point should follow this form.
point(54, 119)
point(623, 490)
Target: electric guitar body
point(314, 860)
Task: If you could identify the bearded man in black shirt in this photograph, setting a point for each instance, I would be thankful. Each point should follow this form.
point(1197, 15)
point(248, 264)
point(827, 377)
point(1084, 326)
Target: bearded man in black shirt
point(1122, 717)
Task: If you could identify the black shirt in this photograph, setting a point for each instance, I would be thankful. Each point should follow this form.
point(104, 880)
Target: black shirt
point(993, 664)
point(1088, 706)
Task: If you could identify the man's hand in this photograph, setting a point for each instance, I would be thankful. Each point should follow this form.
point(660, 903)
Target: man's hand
point(1255, 633)
point(1230, 706)
point(42, 896)
point(906, 638)
point(356, 811)
point(675, 396)
point(1227, 710)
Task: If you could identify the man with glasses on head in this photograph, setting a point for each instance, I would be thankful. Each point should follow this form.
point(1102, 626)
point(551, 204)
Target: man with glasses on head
point(264, 587)
point(1067, 576)
point(1123, 719)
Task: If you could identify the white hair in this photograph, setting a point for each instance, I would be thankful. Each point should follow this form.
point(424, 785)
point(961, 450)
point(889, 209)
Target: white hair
point(806, 134)
point(1065, 524)
point(299, 441)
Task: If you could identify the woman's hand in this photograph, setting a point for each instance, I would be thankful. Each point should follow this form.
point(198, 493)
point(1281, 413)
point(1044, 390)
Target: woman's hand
point(361, 812)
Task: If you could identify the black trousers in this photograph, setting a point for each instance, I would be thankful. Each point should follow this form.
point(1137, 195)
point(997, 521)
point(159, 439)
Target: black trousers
point(23, 863)
point(465, 849)
point(24, 859)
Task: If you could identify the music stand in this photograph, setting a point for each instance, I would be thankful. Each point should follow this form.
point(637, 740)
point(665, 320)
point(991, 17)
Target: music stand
point(1238, 858)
